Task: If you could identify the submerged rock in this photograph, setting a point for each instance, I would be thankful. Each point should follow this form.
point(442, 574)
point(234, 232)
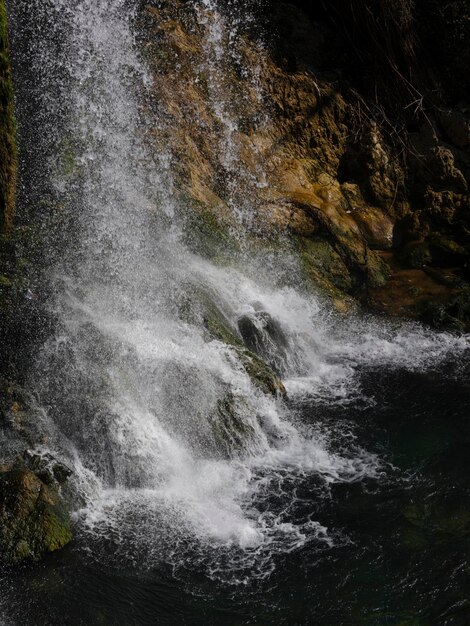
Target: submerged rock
point(33, 518)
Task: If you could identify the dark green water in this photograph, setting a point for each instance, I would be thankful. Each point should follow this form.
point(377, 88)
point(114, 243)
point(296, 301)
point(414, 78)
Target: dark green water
point(401, 541)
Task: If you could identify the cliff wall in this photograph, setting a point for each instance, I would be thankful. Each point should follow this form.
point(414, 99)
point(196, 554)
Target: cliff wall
point(361, 141)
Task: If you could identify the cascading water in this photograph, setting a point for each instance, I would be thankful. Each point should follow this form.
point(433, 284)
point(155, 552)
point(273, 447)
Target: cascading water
point(176, 453)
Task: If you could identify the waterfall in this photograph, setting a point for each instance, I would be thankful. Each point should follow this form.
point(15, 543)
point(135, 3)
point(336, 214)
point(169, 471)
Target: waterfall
point(175, 449)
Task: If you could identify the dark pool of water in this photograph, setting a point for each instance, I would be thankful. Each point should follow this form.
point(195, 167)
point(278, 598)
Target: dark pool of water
point(403, 559)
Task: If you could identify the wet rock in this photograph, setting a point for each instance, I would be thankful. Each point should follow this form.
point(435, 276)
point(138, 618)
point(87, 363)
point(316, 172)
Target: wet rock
point(21, 422)
point(377, 270)
point(452, 314)
point(261, 374)
point(33, 519)
point(229, 428)
point(323, 265)
point(219, 327)
point(263, 335)
point(46, 467)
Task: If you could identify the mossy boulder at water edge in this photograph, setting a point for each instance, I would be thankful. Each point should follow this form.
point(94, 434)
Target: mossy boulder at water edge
point(33, 518)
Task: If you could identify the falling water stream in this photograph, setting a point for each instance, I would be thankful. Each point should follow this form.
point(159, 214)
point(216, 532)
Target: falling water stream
point(131, 385)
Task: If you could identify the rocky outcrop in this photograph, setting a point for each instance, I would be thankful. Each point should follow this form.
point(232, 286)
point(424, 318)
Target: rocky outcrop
point(219, 327)
point(286, 145)
point(405, 160)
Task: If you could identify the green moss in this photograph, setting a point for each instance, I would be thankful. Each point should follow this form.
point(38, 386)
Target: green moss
point(207, 234)
point(323, 264)
point(33, 519)
point(324, 270)
point(261, 374)
point(199, 305)
point(219, 326)
point(378, 272)
point(229, 427)
point(8, 147)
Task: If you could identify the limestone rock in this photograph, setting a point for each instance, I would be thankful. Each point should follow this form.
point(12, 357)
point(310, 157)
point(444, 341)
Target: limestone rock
point(375, 224)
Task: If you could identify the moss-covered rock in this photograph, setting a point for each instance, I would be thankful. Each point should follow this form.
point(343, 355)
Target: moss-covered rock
point(446, 252)
point(229, 428)
point(33, 519)
point(261, 374)
point(452, 313)
point(200, 305)
point(324, 265)
point(208, 230)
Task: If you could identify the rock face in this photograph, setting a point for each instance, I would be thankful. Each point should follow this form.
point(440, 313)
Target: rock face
point(33, 520)
point(366, 193)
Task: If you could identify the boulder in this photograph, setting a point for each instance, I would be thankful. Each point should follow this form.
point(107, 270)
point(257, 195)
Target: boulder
point(445, 252)
point(33, 518)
